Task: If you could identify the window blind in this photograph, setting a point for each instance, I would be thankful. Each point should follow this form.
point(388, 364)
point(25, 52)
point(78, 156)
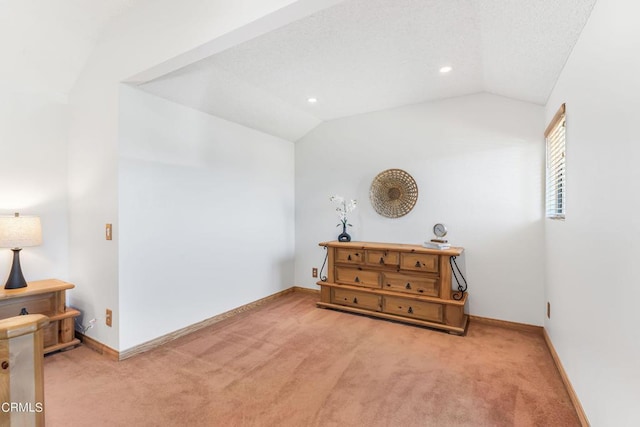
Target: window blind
point(556, 168)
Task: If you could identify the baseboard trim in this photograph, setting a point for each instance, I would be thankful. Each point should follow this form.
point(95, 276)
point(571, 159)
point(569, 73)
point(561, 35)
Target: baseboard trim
point(506, 324)
point(98, 346)
point(157, 342)
point(306, 290)
point(582, 416)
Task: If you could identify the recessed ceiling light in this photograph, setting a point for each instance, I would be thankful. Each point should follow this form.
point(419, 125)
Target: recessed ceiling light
point(446, 69)
point(312, 100)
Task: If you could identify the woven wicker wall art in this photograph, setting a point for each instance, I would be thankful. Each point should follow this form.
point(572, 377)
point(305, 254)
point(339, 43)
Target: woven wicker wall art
point(393, 193)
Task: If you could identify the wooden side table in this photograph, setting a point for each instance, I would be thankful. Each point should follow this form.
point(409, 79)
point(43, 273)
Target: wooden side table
point(44, 297)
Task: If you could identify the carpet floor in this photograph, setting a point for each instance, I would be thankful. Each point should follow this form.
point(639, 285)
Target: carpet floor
point(288, 363)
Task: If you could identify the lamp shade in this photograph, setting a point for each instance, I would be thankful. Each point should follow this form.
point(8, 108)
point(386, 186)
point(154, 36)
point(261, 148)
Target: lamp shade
point(20, 231)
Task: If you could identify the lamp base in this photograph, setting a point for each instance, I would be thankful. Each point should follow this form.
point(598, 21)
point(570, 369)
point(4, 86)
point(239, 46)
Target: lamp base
point(16, 279)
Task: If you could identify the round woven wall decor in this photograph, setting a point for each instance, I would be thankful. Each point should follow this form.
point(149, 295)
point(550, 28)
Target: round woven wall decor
point(393, 193)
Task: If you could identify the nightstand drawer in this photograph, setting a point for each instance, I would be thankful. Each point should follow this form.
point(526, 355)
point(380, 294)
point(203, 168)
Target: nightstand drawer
point(356, 299)
point(357, 277)
point(419, 262)
point(38, 304)
point(411, 284)
point(412, 308)
point(349, 256)
point(383, 258)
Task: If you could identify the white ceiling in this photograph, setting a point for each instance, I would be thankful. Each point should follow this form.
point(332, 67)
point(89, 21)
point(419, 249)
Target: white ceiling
point(368, 55)
point(45, 43)
point(355, 57)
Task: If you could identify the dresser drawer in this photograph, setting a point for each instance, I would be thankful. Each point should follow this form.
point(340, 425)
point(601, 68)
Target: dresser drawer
point(39, 304)
point(411, 284)
point(383, 258)
point(411, 308)
point(358, 277)
point(356, 299)
point(419, 262)
point(349, 256)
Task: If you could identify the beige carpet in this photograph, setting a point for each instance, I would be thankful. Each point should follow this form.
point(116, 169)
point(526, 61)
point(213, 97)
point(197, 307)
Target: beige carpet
point(288, 363)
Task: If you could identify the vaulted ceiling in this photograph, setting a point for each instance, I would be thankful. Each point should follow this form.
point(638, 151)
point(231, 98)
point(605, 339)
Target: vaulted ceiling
point(366, 55)
point(355, 57)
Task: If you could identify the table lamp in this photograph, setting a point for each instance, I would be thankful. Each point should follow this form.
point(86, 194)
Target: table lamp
point(18, 232)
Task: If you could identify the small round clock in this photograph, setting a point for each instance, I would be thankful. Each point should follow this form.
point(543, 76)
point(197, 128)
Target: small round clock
point(440, 230)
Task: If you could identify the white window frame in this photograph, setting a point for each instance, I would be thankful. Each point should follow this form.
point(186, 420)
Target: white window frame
point(556, 173)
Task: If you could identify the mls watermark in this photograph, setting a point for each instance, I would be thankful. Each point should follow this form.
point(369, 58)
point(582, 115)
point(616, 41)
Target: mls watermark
point(29, 407)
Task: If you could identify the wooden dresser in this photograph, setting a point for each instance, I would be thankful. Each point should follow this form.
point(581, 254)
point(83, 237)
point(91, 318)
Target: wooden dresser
point(407, 283)
point(44, 297)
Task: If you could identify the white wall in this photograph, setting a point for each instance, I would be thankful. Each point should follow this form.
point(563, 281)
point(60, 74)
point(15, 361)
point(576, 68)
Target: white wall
point(592, 256)
point(33, 179)
point(478, 162)
point(206, 216)
point(151, 34)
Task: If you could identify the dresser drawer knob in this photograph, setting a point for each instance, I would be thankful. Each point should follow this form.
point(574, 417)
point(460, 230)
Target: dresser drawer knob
point(357, 279)
point(23, 312)
point(418, 264)
point(381, 260)
point(421, 290)
point(355, 300)
point(410, 311)
point(349, 257)
point(408, 286)
point(5, 364)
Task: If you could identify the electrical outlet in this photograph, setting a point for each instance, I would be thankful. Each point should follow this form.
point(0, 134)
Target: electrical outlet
point(108, 317)
point(548, 310)
point(314, 272)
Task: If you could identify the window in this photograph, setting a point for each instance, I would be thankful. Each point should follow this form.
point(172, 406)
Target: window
point(556, 174)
